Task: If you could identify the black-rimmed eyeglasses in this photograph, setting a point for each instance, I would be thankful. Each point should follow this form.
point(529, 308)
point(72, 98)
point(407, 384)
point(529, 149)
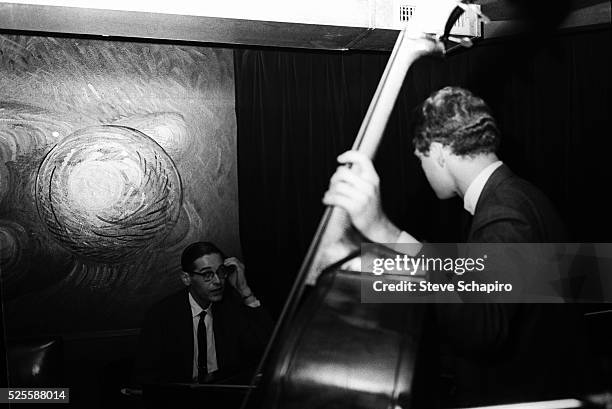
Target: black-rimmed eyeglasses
point(221, 272)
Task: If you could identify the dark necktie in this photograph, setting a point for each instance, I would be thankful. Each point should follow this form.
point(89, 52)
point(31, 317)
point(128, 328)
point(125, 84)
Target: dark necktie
point(202, 357)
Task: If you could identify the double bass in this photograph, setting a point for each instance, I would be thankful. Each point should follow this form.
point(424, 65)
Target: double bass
point(328, 349)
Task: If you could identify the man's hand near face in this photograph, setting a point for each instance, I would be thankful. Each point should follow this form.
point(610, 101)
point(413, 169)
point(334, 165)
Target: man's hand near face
point(237, 279)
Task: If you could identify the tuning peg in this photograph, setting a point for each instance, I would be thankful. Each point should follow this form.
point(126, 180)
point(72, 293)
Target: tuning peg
point(474, 9)
point(462, 41)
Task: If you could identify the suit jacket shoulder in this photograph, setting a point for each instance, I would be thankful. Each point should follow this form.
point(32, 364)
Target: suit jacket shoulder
point(173, 303)
point(512, 210)
point(165, 348)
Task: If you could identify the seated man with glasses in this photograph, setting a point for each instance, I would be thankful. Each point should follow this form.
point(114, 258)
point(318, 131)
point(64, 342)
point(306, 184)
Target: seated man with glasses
point(208, 331)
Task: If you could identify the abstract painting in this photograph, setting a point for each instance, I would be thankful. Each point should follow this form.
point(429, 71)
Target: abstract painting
point(114, 156)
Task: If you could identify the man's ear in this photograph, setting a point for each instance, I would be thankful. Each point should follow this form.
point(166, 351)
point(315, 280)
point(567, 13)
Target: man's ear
point(185, 278)
point(436, 150)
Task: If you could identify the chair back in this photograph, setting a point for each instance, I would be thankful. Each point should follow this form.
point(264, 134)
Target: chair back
point(35, 362)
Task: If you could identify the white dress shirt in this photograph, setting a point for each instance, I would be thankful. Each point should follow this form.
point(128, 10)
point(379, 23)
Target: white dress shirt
point(474, 190)
point(211, 352)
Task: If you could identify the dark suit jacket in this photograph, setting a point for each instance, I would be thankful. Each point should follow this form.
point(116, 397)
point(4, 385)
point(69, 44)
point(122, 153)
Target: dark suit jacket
point(512, 210)
point(499, 352)
point(165, 352)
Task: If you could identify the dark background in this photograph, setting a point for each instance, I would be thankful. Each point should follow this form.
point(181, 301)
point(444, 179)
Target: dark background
point(297, 110)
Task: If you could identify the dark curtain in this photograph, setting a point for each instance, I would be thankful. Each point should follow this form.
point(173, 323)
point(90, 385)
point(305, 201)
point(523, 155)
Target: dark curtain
point(297, 110)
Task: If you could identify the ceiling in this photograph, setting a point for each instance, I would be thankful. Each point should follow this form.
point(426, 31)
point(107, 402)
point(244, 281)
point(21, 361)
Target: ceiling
point(315, 24)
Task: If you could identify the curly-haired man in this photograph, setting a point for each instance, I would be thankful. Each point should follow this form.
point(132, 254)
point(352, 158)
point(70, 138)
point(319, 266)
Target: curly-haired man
point(495, 352)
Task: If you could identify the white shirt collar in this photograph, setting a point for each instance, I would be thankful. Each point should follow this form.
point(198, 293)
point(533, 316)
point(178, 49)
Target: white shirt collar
point(472, 194)
point(195, 307)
